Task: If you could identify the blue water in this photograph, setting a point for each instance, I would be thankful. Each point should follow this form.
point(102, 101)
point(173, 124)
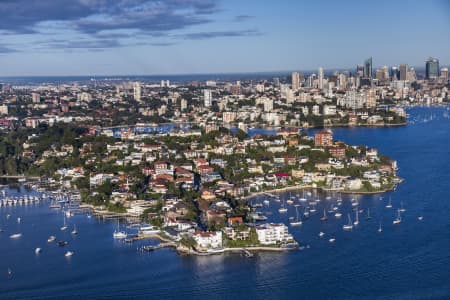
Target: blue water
point(407, 261)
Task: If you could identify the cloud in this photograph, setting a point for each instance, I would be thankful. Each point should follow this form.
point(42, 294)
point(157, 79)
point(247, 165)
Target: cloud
point(4, 50)
point(217, 34)
point(242, 18)
point(93, 16)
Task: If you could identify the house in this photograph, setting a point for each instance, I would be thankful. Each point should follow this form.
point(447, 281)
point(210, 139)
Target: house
point(337, 151)
point(271, 234)
point(208, 239)
point(235, 220)
point(237, 234)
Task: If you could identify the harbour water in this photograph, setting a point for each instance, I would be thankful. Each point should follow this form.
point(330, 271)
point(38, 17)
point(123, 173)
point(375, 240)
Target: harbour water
point(406, 261)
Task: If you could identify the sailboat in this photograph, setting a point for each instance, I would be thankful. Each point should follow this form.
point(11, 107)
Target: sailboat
point(297, 222)
point(397, 220)
point(349, 226)
point(64, 227)
point(74, 231)
point(420, 218)
point(338, 215)
point(324, 218)
point(368, 215)
point(119, 234)
point(282, 209)
point(289, 201)
point(303, 198)
point(306, 213)
point(357, 218)
point(389, 205)
point(380, 229)
point(9, 273)
point(402, 209)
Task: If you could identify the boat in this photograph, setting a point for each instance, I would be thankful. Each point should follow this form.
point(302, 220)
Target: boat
point(38, 250)
point(68, 254)
point(338, 215)
point(389, 205)
point(282, 209)
point(119, 234)
point(266, 202)
point(62, 243)
point(332, 240)
point(18, 220)
point(402, 209)
point(289, 201)
point(397, 220)
point(15, 236)
point(349, 226)
point(324, 218)
point(303, 198)
point(297, 221)
point(306, 213)
point(368, 215)
point(9, 273)
point(74, 231)
point(51, 239)
point(357, 218)
point(380, 229)
point(64, 227)
point(420, 218)
point(321, 234)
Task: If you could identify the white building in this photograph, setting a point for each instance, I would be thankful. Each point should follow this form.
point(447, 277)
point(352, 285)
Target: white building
point(270, 234)
point(208, 239)
point(329, 110)
point(207, 97)
point(137, 91)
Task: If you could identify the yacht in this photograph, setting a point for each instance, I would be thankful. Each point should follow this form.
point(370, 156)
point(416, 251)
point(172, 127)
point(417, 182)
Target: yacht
point(68, 254)
point(332, 240)
point(51, 239)
point(38, 250)
point(266, 202)
point(397, 220)
point(64, 227)
point(321, 234)
point(15, 236)
point(324, 218)
point(74, 231)
point(357, 219)
point(297, 221)
point(380, 229)
point(338, 215)
point(420, 218)
point(402, 209)
point(368, 215)
point(119, 234)
point(349, 226)
point(389, 205)
point(282, 209)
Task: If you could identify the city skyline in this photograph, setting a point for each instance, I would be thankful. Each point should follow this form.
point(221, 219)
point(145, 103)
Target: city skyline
point(140, 37)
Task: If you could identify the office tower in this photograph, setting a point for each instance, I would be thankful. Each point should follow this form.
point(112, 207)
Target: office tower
point(359, 71)
point(295, 80)
point(268, 105)
point(207, 95)
point(320, 78)
point(432, 68)
point(403, 71)
point(382, 73)
point(276, 81)
point(444, 74)
point(36, 97)
point(394, 73)
point(137, 91)
point(368, 68)
point(183, 104)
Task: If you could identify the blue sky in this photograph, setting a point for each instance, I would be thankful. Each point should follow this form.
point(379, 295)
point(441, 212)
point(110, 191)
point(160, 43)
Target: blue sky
point(119, 37)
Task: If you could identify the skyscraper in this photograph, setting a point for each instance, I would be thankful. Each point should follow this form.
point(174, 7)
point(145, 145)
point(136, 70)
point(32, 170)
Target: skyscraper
point(137, 91)
point(403, 71)
point(320, 78)
point(368, 68)
point(432, 68)
point(295, 79)
point(394, 73)
point(207, 95)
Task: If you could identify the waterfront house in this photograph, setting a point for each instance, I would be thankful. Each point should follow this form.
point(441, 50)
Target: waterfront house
point(208, 239)
point(271, 234)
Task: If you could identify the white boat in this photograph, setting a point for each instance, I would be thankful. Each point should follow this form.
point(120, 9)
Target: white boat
point(332, 240)
point(289, 201)
point(266, 202)
point(397, 220)
point(338, 215)
point(282, 209)
point(119, 234)
point(18, 220)
point(297, 221)
point(148, 229)
point(357, 218)
point(380, 229)
point(349, 226)
point(321, 234)
point(74, 231)
point(420, 218)
point(402, 209)
point(15, 236)
point(51, 239)
point(68, 254)
point(64, 227)
point(389, 205)
point(38, 250)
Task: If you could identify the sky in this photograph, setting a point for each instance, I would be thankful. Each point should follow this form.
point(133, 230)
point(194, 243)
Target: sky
point(157, 37)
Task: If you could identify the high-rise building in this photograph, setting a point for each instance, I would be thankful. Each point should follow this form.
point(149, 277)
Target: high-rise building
point(368, 68)
point(383, 73)
point(276, 81)
point(320, 75)
point(137, 91)
point(207, 97)
point(183, 105)
point(432, 68)
point(403, 71)
point(36, 97)
point(268, 105)
point(295, 80)
point(395, 74)
point(444, 74)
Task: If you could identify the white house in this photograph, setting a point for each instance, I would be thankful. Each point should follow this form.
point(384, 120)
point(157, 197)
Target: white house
point(208, 239)
point(270, 234)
